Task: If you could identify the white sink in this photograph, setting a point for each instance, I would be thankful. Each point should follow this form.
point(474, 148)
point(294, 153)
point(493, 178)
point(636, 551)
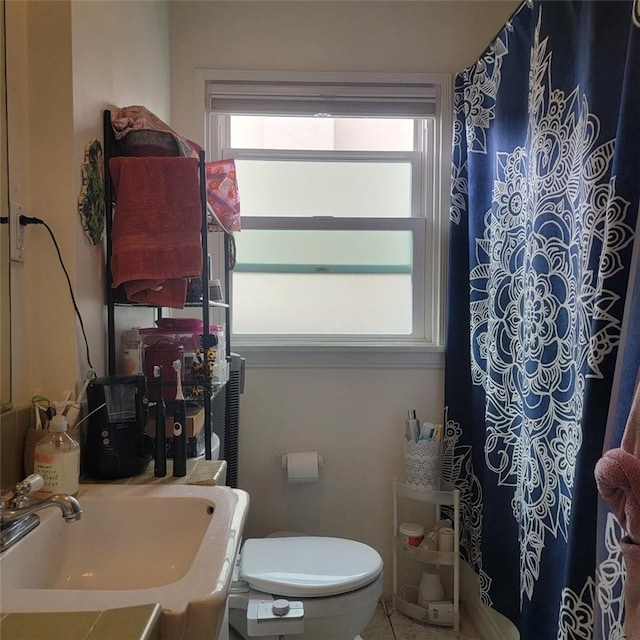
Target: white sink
point(174, 545)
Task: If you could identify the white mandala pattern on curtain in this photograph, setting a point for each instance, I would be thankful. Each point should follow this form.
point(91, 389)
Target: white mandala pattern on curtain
point(553, 216)
point(457, 469)
point(533, 342)
point(577, 613)
point(481, 82)
point(610, 582)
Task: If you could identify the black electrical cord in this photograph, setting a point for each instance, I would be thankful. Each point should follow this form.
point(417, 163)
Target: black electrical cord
point(24, 221)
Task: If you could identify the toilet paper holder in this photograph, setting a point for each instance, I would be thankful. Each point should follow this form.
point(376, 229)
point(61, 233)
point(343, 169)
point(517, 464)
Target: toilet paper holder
point(284, 461)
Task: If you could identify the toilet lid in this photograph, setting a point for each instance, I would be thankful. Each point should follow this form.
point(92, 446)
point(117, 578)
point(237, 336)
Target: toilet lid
point(308, 566)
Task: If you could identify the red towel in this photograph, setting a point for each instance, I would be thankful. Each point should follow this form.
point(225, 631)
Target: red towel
point(618, 478)
point(156, 240)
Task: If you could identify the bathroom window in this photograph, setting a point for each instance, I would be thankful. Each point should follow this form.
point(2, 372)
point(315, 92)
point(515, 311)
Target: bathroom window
point(341, 193)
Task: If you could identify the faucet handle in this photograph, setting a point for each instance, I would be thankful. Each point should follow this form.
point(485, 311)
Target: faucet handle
point(33, 482)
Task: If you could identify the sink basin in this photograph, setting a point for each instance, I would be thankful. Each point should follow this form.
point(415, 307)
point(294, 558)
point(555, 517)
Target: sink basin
point(171, 544)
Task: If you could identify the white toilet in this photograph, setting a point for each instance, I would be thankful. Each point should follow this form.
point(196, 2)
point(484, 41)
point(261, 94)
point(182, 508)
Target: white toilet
point(338, 581)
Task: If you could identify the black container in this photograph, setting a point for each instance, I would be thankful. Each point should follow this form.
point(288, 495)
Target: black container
point(116, 444)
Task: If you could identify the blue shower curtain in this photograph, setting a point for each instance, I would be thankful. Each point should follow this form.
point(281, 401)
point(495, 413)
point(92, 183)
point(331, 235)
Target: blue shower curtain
point(545, 193)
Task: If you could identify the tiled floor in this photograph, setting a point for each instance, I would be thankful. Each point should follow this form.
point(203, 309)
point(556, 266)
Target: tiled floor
point(399, 627)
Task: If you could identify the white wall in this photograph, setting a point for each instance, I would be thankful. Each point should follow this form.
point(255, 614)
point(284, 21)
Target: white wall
point(69, 60)
point(381, 36)
point(120, 58)
point(353, 417)
point(40, 114)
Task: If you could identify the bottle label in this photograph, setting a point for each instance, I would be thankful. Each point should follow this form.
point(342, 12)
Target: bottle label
point(131, 361)
point(60, 471)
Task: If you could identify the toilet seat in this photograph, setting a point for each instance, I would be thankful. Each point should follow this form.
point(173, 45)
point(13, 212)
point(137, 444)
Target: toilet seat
point(308, 566)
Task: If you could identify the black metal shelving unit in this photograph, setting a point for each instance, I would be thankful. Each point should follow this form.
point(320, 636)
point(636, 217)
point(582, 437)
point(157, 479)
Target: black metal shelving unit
point(114, 297)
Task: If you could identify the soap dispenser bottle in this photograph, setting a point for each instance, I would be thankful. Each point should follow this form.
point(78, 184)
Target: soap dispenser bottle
point(57, 459)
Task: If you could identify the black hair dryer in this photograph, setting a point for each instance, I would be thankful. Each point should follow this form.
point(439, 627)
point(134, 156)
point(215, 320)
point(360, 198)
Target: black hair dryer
point(116, 444)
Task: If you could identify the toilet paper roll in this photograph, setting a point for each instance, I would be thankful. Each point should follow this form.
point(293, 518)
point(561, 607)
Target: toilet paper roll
point(303, 467)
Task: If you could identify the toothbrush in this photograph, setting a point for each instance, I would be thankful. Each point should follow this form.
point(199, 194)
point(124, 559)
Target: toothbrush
point(91, 374)
point(179, 433)
point(160, 459)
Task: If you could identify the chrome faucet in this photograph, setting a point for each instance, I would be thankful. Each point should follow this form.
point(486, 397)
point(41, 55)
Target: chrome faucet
point(18, 517)
point(70, 507)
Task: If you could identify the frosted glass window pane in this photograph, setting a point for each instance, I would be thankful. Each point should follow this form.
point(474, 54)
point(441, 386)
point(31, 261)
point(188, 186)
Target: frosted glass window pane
point(338, 189)
point(318, 134)
point(308, 250)
point(321, 304)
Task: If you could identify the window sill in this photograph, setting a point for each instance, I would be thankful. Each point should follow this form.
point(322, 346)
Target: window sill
point(332, 356)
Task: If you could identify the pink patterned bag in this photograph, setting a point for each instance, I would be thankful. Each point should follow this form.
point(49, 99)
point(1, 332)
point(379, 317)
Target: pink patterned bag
point(222, 194)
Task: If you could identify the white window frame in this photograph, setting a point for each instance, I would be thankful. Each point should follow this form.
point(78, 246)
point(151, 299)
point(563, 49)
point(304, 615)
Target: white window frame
point(425, 348)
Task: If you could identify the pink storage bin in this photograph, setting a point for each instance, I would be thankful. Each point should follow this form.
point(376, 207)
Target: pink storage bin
point(153, 335)
point(180, 325)
point(189, 340)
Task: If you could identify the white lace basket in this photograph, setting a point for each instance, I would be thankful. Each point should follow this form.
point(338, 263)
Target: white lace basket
point(422, 462)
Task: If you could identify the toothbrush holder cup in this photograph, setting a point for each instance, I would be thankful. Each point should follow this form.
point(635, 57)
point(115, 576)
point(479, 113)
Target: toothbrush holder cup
point(423, 464)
